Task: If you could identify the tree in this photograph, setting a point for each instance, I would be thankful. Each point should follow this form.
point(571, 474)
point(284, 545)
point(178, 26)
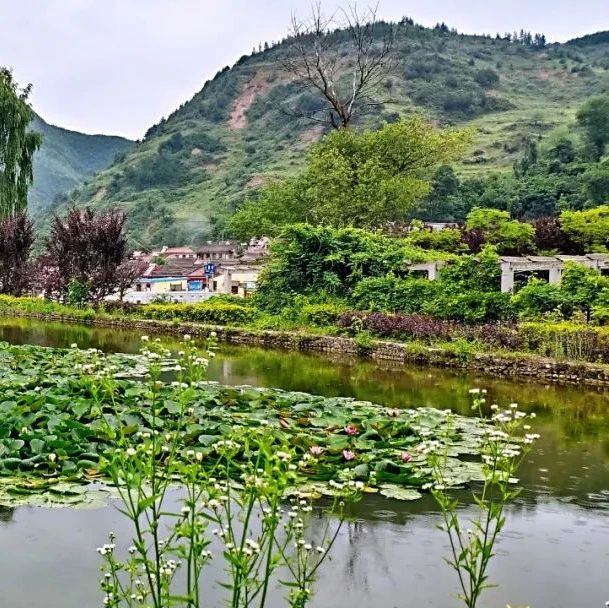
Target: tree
point(344, 78)
point(17, 145)
point(539, 297)
point(364, 179)
point(550, 237)
point(87, 251)
point(596, 182)
point(443, 202)
point(529, 158)
point(588, 228)
point(509, 236)
point(582, 286)
point(16, 240)
point(127, 273)
point(593, 117)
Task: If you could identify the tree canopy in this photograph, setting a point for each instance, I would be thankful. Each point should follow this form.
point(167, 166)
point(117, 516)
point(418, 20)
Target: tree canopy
point(593, 117)
point(363, 179)
point(17, 145)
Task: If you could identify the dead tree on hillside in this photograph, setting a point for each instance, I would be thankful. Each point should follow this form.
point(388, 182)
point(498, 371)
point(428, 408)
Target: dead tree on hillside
point(342, 68)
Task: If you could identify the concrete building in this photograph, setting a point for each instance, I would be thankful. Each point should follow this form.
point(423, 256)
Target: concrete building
point(219, 251)
point(549, 268)
point(236, 279)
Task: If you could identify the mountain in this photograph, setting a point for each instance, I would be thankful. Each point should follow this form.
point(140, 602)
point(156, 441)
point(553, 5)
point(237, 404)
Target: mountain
point(66, 158)
point(192, 169)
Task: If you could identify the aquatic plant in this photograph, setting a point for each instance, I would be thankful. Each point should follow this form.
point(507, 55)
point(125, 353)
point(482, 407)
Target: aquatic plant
point(63, 411)
point(232, 507)
point(503, 447)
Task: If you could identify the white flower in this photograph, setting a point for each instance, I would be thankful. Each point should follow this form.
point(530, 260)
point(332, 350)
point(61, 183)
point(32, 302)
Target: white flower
point(52, 457)
point(145, 338)
point(130, 452)
point(73, 345)
point(187, 337)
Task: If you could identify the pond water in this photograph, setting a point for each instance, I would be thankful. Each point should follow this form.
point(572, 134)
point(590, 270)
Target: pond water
point(554, 552)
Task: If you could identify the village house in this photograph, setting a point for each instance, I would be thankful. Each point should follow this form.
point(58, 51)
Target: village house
point(184, 274)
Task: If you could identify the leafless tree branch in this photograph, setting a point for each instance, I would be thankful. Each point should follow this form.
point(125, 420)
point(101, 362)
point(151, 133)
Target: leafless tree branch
point(345, 79)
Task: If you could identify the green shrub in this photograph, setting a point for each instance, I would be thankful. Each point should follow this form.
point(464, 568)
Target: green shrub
point(393, 294)
point(566, 340)
point(472, 307)
point(321, 315)
point(217, 313)
point(538, 298)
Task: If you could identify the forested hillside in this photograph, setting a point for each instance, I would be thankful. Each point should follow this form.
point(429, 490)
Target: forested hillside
point(194, 168)
point(66, 158)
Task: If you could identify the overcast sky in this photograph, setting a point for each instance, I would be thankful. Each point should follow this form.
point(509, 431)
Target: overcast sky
point(117, 66)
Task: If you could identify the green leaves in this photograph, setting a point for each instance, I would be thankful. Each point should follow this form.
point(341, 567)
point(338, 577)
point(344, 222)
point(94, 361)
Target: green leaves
point(58, 421)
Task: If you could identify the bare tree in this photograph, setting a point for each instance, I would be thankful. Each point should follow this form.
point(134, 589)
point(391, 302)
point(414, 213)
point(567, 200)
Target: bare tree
point(343, 68)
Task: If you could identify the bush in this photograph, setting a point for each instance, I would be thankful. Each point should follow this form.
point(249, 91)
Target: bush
point(393, 294)
point(321, 315)
point(217, 313)
point(537, 298)
point(486, 78)
point(307, 260)
point(471, 306)
point(427, 329)
point(566, 340)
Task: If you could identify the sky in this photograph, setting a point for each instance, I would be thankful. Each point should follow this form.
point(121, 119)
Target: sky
point(118, 66)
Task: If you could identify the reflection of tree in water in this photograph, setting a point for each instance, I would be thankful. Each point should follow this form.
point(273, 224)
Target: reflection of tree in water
point(6, 514)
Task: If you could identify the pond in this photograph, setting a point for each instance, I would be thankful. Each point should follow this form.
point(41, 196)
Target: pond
point(554, 553)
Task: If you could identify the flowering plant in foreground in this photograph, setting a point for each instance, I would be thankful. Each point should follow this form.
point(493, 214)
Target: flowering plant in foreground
point(503, 447)
point(232, 507)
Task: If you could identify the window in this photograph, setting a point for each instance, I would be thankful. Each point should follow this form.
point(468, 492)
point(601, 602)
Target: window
point(175, 286)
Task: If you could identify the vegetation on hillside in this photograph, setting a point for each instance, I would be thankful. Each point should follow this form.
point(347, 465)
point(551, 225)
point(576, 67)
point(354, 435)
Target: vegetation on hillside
point(192, 170)
point(66, 159)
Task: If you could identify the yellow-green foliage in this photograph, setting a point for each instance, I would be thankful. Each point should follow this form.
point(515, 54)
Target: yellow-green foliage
point(362, 179)
point(566, 339)
point(216, 313)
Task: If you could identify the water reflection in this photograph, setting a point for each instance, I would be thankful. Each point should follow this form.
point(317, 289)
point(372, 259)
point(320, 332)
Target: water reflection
point(554, 554)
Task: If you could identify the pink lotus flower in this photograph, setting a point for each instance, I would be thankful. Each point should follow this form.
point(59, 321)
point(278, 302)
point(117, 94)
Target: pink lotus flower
point(351, 429)
point(348, 455)
point(316, 450)
point(406, 457)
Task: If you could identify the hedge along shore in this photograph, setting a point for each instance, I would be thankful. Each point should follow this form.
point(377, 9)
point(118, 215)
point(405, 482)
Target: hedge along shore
point(512, 365)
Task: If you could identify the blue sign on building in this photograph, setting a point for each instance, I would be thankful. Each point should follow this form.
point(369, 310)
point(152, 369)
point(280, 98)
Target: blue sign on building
point(210, 269)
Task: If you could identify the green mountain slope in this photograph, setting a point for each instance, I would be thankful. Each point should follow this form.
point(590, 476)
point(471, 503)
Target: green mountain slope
point(195, 167)
point(66, 158)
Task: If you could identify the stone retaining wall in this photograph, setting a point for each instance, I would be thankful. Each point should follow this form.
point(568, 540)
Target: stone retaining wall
point(514, 365)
